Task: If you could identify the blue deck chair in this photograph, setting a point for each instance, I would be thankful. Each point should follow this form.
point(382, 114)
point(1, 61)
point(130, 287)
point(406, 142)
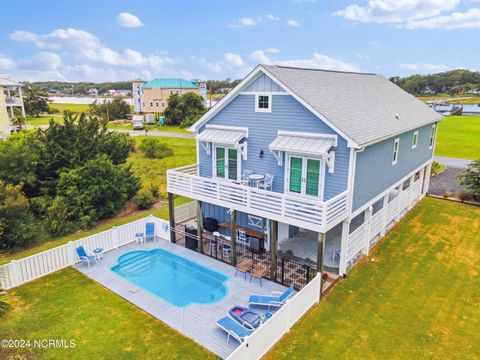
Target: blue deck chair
point(82, 254)
point(271, 300)
point(149, 231)
point(234, 329)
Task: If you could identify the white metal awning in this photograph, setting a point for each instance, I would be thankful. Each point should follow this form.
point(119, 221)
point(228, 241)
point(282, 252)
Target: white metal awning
point(228, 137)
point(305, 145)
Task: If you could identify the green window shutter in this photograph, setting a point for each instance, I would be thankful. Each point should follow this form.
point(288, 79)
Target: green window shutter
point(296, 174)
point(313, 177)
point(220, 156)
point(232, 164)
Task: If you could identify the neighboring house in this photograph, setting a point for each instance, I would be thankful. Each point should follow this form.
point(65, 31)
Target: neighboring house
point(152, 97)
point(473, 92)
point(10, 98)
point(428, 91)
point(350, 154)
point(92, 92)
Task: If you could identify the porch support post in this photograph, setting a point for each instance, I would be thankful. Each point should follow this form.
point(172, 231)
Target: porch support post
point(273, 248)
point(399, 203)
point(171, 212)
point(426, 183)
point(200, 226)
point(233, 236)
point(384, 221)
point(343, 248)
point(320, 254)
point(410, 191)
point(367, 219)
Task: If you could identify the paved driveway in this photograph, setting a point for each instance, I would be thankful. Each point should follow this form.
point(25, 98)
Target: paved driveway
point(452, 162)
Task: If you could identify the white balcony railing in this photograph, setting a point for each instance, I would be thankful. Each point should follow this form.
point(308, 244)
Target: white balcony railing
point(296, 210)
point(15, 101)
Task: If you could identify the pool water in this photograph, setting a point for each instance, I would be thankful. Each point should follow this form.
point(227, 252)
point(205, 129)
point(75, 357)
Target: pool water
point(173, 278)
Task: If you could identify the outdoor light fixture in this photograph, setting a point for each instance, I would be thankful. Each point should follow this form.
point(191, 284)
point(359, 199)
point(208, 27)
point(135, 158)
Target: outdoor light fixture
point(261, 154)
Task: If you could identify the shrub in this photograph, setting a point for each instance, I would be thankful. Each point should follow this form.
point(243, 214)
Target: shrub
point(464, 195)
point(154, 149)
point(447, 194)
point(144, 199)
point(155, 190)
point(436, 168)
point(471, 178)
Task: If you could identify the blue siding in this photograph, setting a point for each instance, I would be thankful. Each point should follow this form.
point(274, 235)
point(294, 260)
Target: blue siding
point(289, 115)
point(264, 83)
point(374, 171)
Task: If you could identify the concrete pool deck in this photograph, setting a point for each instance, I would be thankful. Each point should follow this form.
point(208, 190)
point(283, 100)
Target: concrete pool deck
point(196, 321)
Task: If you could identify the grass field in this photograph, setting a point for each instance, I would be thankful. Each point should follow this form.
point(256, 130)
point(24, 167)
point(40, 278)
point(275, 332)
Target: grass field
point(75, 108)
point(150, 171)
point(43, 120)
point(463, 99)
point(417, 296)
point(67, 305)
point(459, 137)
point(149, 127)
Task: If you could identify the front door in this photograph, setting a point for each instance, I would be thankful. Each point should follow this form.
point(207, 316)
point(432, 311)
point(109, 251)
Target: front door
point(303, 176)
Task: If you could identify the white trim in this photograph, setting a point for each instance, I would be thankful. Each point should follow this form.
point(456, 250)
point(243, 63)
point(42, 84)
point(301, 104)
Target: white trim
point(226, 163)
point(275, 93)
point(263, 110)
point(321, 177)
point(433, 135)
point(396, 150)
point(415, 139)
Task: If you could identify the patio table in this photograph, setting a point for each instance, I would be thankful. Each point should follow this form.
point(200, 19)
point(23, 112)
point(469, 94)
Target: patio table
point(256, 179)
point(98, 252)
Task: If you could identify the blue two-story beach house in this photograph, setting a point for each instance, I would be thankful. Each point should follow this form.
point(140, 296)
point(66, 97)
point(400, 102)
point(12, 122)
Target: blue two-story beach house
point(318, 164)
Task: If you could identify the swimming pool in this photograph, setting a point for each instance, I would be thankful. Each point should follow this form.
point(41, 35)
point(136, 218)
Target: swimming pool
point(173, 278)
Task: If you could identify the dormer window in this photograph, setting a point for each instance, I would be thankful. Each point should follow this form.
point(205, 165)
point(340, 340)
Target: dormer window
point(263, 103)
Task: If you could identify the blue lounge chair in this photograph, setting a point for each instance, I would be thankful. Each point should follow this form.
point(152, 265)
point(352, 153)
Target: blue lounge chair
point(82, 254)
point(234, 329)
point(149, 231)
point(271, 300)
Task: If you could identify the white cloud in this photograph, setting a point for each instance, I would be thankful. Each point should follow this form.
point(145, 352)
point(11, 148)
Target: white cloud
point(272, 50)
point(457, 20)
point(293, 23)
point(233, 59)
point(425, 68)
point(128, 20)
point(6, 63)
point(317, 60)
point(396, 11)
point(249, 21)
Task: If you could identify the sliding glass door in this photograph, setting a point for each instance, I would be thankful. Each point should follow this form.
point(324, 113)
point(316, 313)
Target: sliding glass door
point(304, 176)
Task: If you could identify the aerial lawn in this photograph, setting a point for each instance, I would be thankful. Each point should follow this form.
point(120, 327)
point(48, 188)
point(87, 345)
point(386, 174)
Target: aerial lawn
point(459, 137)
point(67, 305)
point(149, 127)
point(75, 108)
point(416, 296)
point(43, 120)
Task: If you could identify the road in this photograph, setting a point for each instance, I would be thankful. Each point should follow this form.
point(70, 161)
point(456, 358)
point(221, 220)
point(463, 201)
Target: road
point(452, 162)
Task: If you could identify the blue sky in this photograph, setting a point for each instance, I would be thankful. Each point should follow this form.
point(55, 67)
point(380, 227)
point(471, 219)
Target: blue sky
point(110, 40)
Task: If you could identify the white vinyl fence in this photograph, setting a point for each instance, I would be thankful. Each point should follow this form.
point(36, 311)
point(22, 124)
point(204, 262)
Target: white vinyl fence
point(185, 212)
point(263, 339)
point(18, 272)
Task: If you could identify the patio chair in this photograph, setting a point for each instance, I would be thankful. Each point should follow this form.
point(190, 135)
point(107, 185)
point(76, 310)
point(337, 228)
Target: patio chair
point(267, 183)
point(259, 271)
point(336, 253)
point(84, 257)
point(244, 266)
point(271, 300)
point(234, 329)
point(245, 176)
point(242, 238)
point(149, 231)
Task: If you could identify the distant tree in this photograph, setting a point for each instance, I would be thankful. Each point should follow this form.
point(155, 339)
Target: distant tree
point(471, 178)
point(17, 224)
point(184, 109)
point(96, 190)
point(110, 110)
point(35, 101)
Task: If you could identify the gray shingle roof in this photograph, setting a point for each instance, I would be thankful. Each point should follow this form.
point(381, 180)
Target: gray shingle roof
point(365, 107)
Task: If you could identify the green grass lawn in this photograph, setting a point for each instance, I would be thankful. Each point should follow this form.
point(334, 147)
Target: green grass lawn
point(149, 127)
point(75, 108)
point(459, 137)
point(417, 296)
point(43, 120)
point(68, 305)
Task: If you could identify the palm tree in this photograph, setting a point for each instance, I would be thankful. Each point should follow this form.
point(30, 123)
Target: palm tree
point(4, 306)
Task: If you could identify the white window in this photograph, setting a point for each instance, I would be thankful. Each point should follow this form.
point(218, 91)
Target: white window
point(226, 163)
point(396, 146)
point(432, 136)
point(415, 140)
point(263, 103)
